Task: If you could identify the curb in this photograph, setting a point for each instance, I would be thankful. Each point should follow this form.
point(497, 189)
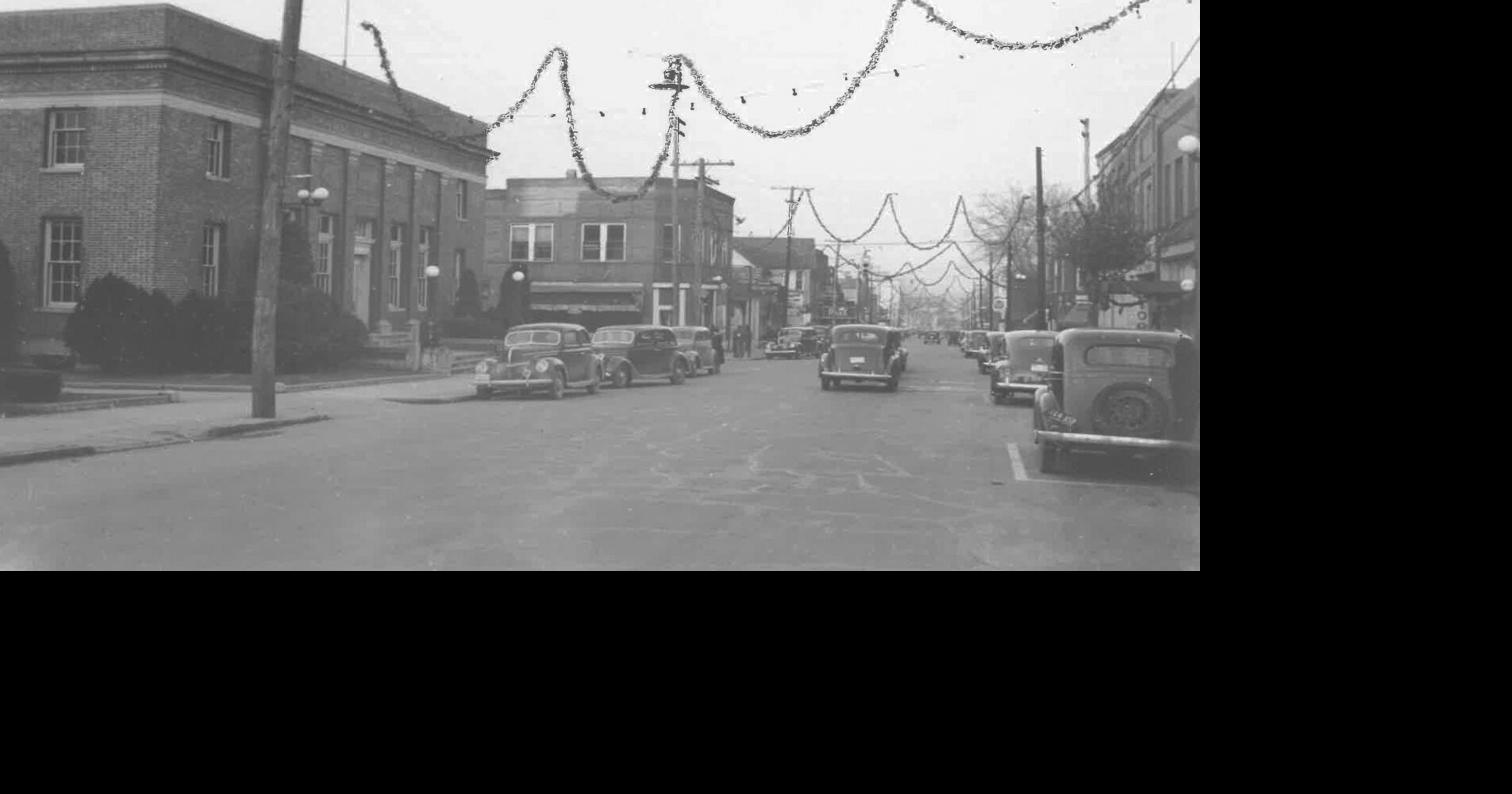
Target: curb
point(222, 431)
point(43, 409)
point(250, 427)
point(279, 388)
point(461, 398)
point(38, 455)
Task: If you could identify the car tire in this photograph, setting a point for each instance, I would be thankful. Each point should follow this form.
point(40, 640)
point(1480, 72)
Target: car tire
point(593, 386)
point(558, 385)
point(484, 392)
point(892, 383)
point(621, 377)
point(715, 370)
point(1130, 409)
point(825, 384)
point(678, 375)
point(998, 398)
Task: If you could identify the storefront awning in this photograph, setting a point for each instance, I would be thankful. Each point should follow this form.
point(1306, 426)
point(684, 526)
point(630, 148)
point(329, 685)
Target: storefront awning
point(1145, 287)
point(579, 298)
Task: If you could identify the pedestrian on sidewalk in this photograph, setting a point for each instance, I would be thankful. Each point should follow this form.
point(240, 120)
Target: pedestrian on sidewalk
point(718, 341)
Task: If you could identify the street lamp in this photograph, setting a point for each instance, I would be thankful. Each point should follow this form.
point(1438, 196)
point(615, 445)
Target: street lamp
point(432, 272)
point(1190, 144)
point(314, 197)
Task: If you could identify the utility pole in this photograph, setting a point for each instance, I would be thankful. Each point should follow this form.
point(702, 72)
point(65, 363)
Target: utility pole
point(787, 274)
point(1039, 223)
point(676, 231)
point(1087, 157)
point(265, 302)
point(698, 237)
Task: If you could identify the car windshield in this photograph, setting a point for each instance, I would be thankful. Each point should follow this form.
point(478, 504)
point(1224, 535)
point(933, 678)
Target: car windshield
point(1034, 342)
point(977, 338)
point(533, 338)
point(684, 334)
point(858, 336)
point(792, 333)
point(617, 337)
point(1128, 356)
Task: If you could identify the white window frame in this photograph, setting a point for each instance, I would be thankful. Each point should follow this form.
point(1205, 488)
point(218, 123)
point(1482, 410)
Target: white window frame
point(218, 141)
point(422, 261)
point(212, 248)
point(53, 130)
point(531, 241)
point(325, 245)
point(393, 266)
point(603, 244)
point(50, 275)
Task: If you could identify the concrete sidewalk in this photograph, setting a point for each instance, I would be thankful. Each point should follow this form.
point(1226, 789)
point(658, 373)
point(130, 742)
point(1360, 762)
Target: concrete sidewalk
point(203, 416)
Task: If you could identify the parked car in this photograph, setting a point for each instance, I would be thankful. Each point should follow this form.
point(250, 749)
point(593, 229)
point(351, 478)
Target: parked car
point(997, 350)
point(1023, 370)
point(974, 345)
point(931, 337)
point(542, 357)
point(697, 344)
point(634, 352)
point(793, 342)
point(862, 353)
point(1118, 391)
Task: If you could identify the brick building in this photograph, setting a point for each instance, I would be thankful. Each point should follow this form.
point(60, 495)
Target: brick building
point(594, 262)
point(1146, 174)
point(131, 142)
point(806, 273)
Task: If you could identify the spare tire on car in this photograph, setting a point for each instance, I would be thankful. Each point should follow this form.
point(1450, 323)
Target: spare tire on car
point(1130, 409)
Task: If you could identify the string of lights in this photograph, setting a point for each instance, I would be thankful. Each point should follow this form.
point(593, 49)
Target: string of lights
point(837, 237)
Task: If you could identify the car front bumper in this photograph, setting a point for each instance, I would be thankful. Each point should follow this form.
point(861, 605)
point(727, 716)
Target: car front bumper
point(529, 384)
point(854, 375)
point(1017, 388)
point(1112, 442)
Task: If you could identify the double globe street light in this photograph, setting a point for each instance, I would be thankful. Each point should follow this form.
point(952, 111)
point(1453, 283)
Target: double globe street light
point(1192, 145)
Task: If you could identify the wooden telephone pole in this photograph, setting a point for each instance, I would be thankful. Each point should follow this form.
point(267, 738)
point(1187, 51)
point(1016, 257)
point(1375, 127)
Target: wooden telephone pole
point(699, 239)
point(787, 275)
point(265, 303)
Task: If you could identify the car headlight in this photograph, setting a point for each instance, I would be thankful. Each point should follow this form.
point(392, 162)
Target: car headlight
point(482, 368)
point(541, 365)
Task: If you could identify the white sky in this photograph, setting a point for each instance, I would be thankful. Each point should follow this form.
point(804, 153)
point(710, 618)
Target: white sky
point(951, 127)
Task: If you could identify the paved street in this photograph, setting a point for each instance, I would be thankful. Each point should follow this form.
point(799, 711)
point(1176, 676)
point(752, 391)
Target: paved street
point(755, 468)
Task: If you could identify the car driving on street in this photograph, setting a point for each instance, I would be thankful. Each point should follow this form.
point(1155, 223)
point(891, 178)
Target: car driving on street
point(863, 354)
point(1022, 371)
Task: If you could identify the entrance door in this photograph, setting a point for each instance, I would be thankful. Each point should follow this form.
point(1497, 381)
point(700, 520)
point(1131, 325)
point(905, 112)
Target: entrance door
point(361, 282)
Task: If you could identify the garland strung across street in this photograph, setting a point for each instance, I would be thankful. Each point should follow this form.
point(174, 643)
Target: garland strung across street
point(682, 60)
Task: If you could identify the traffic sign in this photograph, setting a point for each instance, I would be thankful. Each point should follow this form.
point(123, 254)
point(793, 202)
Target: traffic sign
point(999, 304)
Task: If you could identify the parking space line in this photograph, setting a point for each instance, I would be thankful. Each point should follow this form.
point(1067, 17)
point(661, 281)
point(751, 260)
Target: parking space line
point(1022, 475)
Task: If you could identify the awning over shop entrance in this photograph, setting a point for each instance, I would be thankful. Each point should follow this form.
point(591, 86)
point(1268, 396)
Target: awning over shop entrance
point(585, 298)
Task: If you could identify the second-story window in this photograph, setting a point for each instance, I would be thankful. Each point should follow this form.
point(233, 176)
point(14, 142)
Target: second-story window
point(532, 242)
point(667, 244)
point(603, 242)
point(324, 244)
point(461, 199)
point(218, 150)
point(394, 267)
point(65, 138)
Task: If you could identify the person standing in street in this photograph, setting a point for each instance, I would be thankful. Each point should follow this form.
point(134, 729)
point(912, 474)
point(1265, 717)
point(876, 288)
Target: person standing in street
point(718, 342)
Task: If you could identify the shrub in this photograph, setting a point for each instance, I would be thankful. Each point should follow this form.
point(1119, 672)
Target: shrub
point(213, 334)
point(102, 326)
point(469, 304)
point(474, 328)
point(313, 331)
point(296, 262)
point(11, 309)
point(30, 385)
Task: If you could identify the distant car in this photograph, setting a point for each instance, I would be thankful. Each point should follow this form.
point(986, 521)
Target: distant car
point(636, 352)
point(1118, 391)
point(1023, 370)
point(865, 354)
point(543, 357)
point(931, 337)
point(793, 342)
point(974, 345)
point(697, 343)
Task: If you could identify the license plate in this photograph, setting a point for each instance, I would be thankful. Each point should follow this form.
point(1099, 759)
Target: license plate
point(858, 360)
point(480, 378)
point(1039, 368)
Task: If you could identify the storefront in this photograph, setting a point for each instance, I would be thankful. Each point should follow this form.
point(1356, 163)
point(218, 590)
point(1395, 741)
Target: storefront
point(589, 305)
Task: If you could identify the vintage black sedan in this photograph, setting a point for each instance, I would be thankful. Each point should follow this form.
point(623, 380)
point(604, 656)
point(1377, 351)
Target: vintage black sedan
point(1118, 391)
point(636, 352)
point(864, 354)
point(1022, 370)
point(544, 357)
point(793, 342)
point(697, 344)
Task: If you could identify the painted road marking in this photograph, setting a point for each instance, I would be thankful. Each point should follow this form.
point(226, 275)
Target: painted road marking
point(1022, 475)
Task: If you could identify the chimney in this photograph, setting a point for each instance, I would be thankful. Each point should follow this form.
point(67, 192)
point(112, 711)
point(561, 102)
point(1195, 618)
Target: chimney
point(571, 173)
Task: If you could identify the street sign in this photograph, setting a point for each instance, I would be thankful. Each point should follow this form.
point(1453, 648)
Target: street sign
point(999, 304)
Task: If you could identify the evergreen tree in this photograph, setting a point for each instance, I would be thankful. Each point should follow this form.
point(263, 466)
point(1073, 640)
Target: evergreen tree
point(469, 304)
